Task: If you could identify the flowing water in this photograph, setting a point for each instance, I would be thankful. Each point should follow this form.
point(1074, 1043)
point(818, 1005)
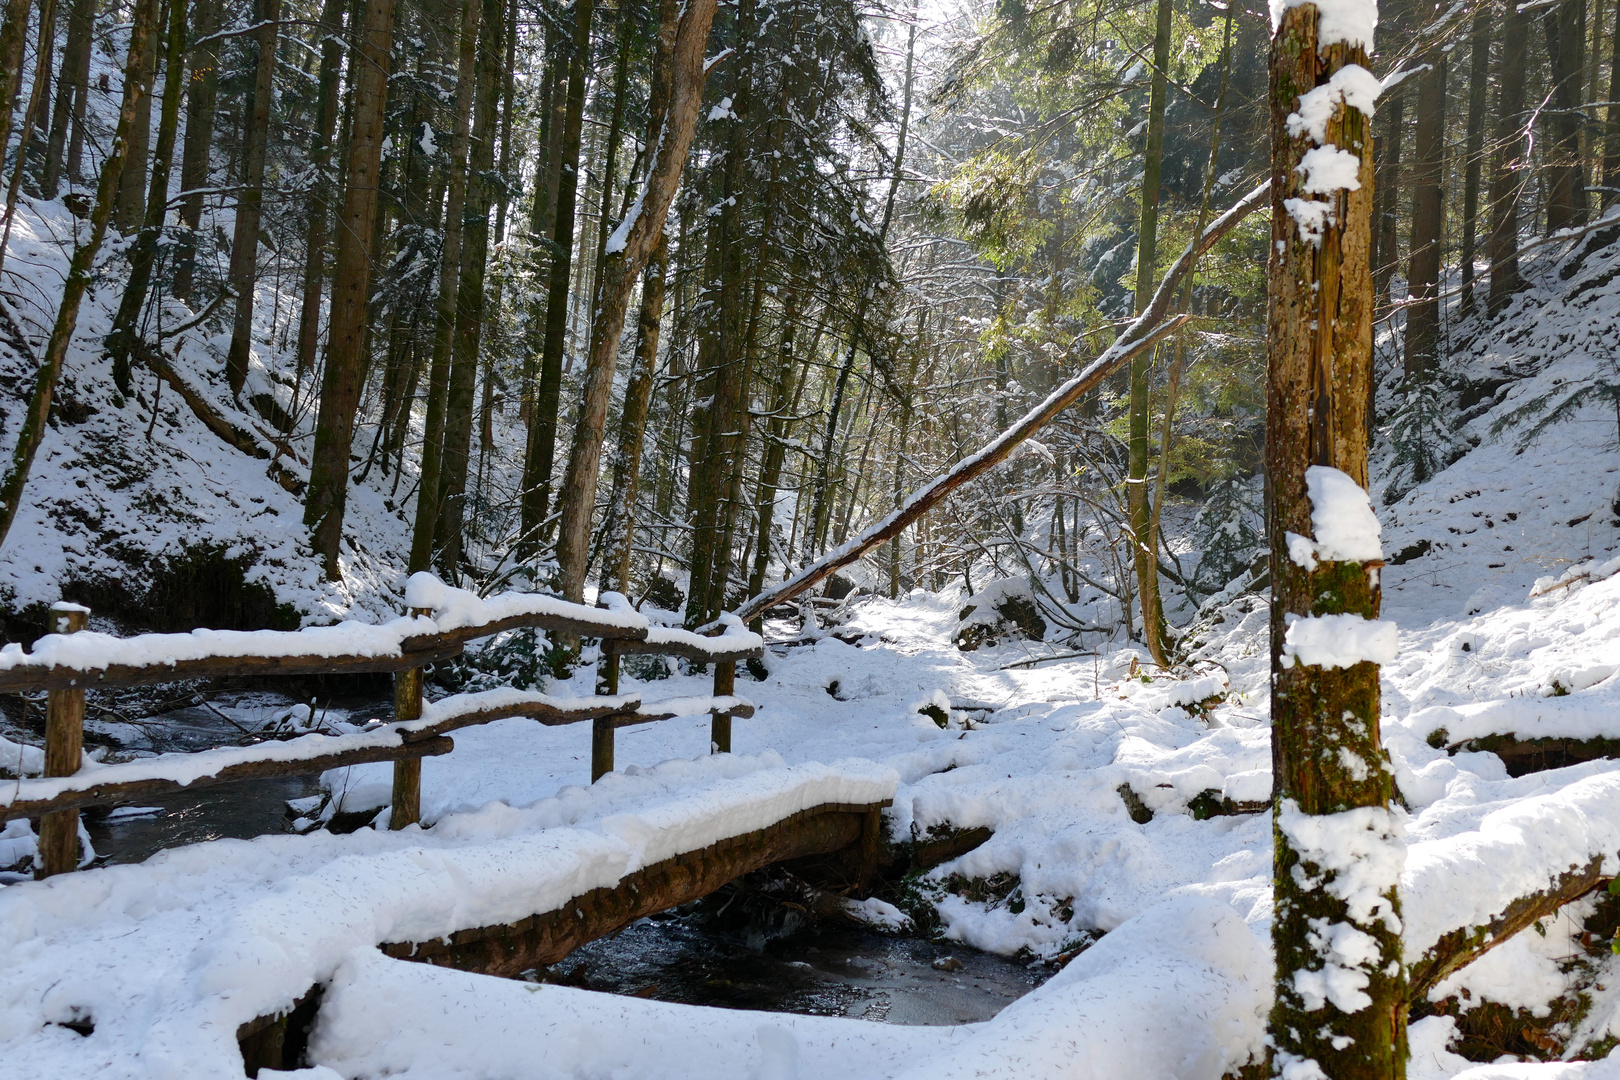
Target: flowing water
point(826, 970)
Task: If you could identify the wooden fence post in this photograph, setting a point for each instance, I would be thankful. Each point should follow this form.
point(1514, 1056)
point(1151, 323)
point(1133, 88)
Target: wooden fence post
point(602, 727)
point(58, 850)
point(405, 807)
point(725, 684)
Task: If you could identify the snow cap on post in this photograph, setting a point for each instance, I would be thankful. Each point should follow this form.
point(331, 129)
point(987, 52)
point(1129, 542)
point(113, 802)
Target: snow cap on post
point(1350, 22)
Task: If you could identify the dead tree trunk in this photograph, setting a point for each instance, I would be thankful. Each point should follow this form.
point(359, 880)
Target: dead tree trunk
point(627, 253)
point(1340, 1006)
point(78, 281)
point(345, 352)
point(250, 203)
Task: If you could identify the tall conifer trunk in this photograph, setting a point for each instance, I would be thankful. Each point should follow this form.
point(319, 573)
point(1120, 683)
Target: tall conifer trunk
point(458, 414)
point(1479, 65)
point(540, 454)
point(444, 319)
point(250, 203)
point(123, 336)
point(1508, 167)
point(321, 181)
point(202, 92)
point(71, 86)
point(131, 207)
point(1565, 26)
point(1428, 220)
point(345, 353)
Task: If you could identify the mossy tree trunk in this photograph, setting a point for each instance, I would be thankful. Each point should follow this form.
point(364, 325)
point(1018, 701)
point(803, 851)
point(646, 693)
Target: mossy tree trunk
point(1144, 545)
point(1340, 1008)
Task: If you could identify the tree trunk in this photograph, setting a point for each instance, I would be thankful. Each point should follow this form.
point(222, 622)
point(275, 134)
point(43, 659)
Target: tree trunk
point(444, 321)
point(628, 251)
point(13, 36)
point(80, 268)
point(540, 453)
point(1611, 116)
point(345, 353)
point(458, 414)
point(201, 95)
point(321, 181)
point(1565, 26)
point(124, 331)
point(39, 98)
point(789, 386)
point(619, 531)
point(820, 506)
point(1428, 219)
point(1143, 332)
point(1144, 548)
point(131, 207)
point(1340, 1007)
point(71, 86)
point(250, 203)
point(1479, 64)
point(1509, 169)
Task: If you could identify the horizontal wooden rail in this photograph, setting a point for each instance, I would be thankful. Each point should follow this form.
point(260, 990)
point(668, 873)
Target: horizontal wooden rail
point(106, 794)
point(467, 710)
point(441, 621)
point(433, 635)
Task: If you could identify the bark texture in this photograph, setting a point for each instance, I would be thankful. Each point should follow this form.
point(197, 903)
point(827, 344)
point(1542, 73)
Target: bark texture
point(636, 239)
point(345, 352)
point(1327, 758)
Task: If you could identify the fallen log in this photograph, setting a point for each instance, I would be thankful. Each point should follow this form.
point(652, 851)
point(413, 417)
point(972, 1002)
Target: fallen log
point(1463, 946)
point(1523, 756)
point(1153, 324)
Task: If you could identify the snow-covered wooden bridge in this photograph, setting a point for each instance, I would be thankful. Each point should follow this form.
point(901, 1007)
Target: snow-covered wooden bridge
point(225, 949)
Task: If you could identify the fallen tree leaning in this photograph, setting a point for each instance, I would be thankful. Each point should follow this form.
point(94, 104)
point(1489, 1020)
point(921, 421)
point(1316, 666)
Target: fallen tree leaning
point(1146, 330)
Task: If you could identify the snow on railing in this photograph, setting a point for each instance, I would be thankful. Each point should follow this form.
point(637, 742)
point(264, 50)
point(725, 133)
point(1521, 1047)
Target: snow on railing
point(446, 619)
point(442, 621)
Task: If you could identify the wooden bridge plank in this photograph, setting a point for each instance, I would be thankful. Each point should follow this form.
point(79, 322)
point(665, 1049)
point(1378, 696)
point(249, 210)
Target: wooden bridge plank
point(546, 938)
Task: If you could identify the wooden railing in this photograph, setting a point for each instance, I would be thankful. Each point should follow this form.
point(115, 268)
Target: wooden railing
point(440, 622)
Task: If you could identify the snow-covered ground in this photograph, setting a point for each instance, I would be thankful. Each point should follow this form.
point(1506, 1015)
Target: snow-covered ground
point(1503, 581)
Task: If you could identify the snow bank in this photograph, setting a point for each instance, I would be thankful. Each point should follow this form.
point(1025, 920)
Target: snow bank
point(1118, 1011)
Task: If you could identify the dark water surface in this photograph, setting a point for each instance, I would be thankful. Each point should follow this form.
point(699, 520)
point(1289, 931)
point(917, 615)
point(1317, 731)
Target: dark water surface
point(829, 970)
